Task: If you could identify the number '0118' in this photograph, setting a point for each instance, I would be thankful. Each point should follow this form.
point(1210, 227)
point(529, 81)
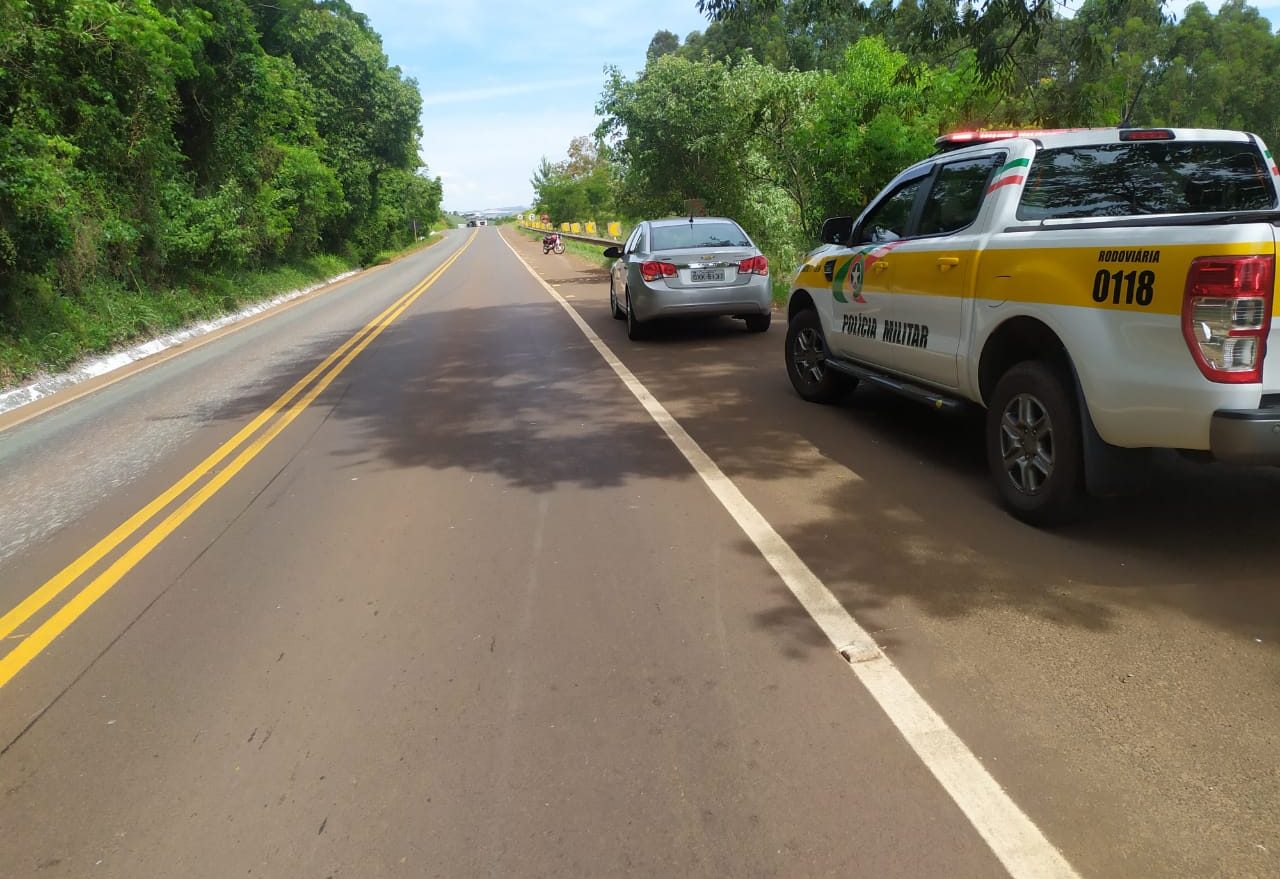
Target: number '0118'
point(1124, 288)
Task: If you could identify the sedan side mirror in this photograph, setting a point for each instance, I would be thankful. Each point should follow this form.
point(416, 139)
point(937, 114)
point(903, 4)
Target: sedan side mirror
point(614, 252)
point(837, 230)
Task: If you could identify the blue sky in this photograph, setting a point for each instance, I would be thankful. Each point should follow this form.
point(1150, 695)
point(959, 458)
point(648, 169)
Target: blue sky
point(505, 82)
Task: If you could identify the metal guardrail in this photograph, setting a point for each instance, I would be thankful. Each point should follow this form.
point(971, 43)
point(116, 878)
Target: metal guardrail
point(604, 242)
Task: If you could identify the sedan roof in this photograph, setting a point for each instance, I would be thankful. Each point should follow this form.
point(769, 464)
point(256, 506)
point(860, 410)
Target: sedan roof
point(673, 221)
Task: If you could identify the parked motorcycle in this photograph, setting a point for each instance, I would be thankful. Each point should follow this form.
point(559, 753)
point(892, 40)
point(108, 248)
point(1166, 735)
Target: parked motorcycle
point(552, 242)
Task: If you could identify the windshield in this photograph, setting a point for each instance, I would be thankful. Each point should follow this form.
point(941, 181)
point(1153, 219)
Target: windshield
point(1136, 179)
point(684, 235)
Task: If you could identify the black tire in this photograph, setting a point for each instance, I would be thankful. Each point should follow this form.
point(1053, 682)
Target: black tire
point(806, 350)
point(559, 248)
point(636, 329)
point(614, 308)
point(758, 323)
point(1034, 445)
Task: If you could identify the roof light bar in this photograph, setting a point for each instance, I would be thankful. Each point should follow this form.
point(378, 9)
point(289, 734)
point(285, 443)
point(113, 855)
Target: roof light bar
point(964, 138)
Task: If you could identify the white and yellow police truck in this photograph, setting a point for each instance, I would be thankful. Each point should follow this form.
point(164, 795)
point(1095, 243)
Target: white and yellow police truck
point(1102, 293)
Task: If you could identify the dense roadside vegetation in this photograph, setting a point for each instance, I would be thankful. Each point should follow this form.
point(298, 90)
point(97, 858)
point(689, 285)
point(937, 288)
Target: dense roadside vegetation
point(783, 112)
point(161, 160)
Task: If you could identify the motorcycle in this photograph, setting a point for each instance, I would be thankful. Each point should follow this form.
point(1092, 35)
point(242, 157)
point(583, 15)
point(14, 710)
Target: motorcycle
point(552, 242)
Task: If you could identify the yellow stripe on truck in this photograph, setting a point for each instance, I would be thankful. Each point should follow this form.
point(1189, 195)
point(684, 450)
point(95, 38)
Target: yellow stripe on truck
point(1144, 278)
point(1150, 279)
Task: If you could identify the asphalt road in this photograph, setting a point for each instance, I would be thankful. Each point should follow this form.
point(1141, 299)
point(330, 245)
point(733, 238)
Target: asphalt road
point(458, 606)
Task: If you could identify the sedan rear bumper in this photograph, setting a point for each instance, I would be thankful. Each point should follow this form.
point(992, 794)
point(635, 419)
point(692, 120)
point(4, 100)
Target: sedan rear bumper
point(1246, 436)
point(655, 301)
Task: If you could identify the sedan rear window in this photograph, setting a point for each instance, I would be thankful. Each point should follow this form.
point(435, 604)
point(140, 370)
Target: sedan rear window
point(1152, 177)
point(684, 235)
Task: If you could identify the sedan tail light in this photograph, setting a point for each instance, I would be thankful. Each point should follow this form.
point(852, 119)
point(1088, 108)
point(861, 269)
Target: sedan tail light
point(652, 271)
point(755, 265)
point(1226, 315)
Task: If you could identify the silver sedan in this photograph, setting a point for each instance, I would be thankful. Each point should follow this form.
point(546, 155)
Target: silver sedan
point(689, 266)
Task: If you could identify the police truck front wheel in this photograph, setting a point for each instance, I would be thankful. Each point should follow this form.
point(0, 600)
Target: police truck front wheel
point(806, 353)
point(1034, 446)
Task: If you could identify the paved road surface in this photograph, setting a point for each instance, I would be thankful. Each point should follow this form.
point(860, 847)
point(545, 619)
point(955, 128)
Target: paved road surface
point(469, 612)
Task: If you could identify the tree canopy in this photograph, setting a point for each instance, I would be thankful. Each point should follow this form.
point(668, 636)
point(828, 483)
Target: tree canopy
point(782, 112)
point(142, 140)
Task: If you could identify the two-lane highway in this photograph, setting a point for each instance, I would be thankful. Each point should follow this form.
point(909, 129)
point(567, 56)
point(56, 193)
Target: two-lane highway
point(410, 579)
point(468, 613)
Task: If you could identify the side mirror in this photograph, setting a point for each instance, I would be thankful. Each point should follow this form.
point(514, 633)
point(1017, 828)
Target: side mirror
point(613, 252)
point(837, 230)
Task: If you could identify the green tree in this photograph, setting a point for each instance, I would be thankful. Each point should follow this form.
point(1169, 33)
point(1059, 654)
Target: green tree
point(996, 31)
point(664, 42)
point(779, 150)
point(142, 142)
point(578, 188)
point(1223, 71)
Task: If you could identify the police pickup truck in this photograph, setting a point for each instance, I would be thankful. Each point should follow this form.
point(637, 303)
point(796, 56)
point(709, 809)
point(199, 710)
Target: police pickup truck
point(1101, 293)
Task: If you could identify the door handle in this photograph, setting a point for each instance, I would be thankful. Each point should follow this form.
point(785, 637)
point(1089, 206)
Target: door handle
point(880, 265)
point(948, 262)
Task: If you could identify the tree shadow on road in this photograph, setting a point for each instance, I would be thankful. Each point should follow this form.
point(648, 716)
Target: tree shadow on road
point(517, 392)
point(513, 391)
point(920, 522)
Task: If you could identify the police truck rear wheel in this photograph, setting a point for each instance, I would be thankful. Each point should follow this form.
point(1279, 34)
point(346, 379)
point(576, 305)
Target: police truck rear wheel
point(1034, 445)
point(806, 353)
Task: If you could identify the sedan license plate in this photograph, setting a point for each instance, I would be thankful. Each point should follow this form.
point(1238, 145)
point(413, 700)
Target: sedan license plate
point(696, 275)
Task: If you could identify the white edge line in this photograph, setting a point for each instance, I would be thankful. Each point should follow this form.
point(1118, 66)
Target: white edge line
point(47, 384)
point(1013, 837)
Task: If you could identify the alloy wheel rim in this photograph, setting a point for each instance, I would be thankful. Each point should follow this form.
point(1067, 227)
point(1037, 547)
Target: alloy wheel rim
point(1027, 444)
point(810, 355)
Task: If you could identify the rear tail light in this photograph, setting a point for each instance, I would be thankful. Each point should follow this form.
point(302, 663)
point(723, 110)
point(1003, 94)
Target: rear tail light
point(652, 271)
point(1226, 315)
point(1132, 134)
point(755, 265)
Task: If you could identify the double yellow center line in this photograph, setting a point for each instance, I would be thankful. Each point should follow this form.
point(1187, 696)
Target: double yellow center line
point(278, 415)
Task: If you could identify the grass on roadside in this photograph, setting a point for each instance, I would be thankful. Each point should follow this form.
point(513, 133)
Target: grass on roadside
point(383, 257)
point(45, 330)
point(592, 252)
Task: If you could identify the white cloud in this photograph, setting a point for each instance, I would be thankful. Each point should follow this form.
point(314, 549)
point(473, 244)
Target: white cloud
point(507, 81)
point(492, 169)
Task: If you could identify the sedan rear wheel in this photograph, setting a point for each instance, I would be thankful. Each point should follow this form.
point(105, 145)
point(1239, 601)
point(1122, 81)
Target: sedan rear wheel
point(614, 308)
point(758, 323)
point(636, 328)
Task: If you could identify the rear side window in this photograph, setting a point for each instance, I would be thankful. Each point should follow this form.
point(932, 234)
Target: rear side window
point(956, 197)
point(682, 235)
point(1154, 177)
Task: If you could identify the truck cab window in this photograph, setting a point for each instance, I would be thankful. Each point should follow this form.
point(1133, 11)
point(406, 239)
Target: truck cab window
point(956, 197)
point(888, 220)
